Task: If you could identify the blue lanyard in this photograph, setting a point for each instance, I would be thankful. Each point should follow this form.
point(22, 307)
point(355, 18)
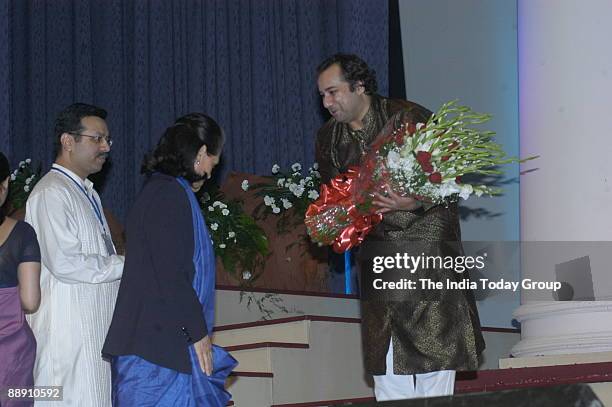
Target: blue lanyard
point(93, 203)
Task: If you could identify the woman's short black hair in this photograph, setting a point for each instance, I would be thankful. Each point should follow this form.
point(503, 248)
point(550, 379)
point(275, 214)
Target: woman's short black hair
point(178, 147)
point(5, 171)
point(354, 70)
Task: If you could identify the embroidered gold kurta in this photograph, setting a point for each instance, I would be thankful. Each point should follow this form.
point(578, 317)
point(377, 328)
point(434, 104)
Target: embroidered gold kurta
point(431, 329)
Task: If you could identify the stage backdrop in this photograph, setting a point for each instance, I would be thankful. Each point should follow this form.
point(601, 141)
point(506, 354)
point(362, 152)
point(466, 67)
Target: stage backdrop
point(467, 50)
point(248, 63)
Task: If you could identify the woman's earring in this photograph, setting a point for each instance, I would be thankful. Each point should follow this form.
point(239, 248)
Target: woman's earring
point(198, 162)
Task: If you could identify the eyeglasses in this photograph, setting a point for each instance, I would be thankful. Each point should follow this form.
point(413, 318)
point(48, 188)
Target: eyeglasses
point(96, 139)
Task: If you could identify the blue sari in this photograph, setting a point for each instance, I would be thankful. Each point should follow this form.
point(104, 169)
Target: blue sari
point(137, 382)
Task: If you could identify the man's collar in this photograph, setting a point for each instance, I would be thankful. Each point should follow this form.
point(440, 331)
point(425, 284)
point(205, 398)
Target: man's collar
point(369, 119)
point(86, 183)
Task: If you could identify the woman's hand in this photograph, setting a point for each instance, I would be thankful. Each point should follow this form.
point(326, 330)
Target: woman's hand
point(203, 350)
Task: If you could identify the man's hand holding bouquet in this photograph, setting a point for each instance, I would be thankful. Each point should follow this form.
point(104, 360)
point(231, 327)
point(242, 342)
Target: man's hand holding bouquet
point(423, 161)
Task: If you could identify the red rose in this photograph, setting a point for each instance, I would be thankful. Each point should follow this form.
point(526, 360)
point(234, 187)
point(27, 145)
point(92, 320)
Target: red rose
point(399, 138)
point(411, 128)
point(458, 180)
point(427, 167)
point(445, 157)
point(435, 178)
point(424, 159)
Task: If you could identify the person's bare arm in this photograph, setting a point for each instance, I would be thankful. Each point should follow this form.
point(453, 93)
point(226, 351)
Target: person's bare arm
point(28, 274)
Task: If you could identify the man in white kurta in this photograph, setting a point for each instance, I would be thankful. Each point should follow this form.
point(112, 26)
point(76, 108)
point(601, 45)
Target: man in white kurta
point(80, 270)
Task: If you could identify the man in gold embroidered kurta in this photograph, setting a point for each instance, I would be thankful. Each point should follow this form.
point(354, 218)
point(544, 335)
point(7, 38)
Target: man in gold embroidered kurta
point(429, 330)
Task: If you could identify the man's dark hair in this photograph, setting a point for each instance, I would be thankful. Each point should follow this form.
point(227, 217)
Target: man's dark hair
point(69, 120)
point(5, 171)
point(178, 147)
point(354, 70)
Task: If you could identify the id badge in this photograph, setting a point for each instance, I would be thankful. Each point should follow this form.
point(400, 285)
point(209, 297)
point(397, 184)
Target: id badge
point(110, 248)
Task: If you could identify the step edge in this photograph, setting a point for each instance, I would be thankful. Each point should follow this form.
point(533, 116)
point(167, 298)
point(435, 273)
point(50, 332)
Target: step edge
point(264, 345)
point(252, 374)
point(327, 318)
point(278, 321)
point(326, 402)
point(510, 378)
point(288, 292)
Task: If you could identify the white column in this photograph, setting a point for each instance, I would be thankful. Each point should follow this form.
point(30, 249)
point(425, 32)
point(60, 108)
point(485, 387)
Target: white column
point(565, 98)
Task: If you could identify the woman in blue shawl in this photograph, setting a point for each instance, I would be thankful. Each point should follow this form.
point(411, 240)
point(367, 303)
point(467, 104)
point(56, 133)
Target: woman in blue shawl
point(159, 341)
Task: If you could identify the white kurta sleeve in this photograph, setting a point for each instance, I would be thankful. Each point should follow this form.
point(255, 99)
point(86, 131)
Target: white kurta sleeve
point(60, 234)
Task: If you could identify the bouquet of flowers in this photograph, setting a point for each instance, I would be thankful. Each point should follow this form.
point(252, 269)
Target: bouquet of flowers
point(22, 181)
point(288, 193)
point(425, 160)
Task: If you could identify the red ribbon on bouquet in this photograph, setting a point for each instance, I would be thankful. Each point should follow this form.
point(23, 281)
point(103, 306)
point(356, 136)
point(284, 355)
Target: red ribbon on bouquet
point(339, 192)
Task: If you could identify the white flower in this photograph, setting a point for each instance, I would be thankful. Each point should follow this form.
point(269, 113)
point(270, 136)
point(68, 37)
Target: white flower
point(245, 185)
point(280, 182)
point(28, 160)
point(425, 146)
point(27, 181)
point(26, 188)
point(275, 209)
point(478, 192)
point(217, 203)
point(222, 246)
point(231, 234)
point(21, 164)
point(448, 188)
point(393, 160)
point(286, 203)
point(13, 177)
point(408, 164)
point(275, 169)
point(313, 194)
point(225, 212)
point(296, 189)
point(317, 174)
point(268, 200)
point(214, 226)
point(246, 275)
point(210, 208)
point(466, 191)
point(315, 166)
point(296, 167)
point(419, 126)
